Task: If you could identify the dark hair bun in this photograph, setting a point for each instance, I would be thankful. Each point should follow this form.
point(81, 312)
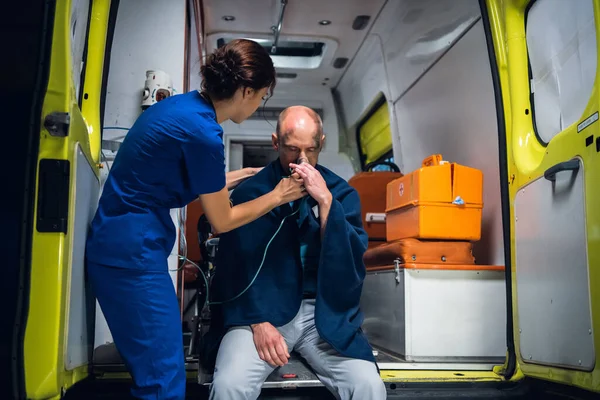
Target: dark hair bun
point(238, 64)
point(220, 80)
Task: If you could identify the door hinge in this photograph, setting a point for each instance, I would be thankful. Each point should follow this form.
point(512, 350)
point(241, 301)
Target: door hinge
point(57, 123)
point(397, 270)
point(53, 195)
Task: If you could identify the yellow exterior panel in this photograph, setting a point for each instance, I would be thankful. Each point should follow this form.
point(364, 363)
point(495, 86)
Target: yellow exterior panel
point(93, 78)
point(47, 325)
point(439, 376)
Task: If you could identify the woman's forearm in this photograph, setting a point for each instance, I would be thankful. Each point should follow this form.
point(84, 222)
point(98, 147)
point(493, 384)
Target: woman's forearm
point(225, 218)
point(234, 178)
point(249, 211)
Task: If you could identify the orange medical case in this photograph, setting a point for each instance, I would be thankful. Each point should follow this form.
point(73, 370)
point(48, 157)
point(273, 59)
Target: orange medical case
point(371, 189)
point(440, 200)
point(422, 252)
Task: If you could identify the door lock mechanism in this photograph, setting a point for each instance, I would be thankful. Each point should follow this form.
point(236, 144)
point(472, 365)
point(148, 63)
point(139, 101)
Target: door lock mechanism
point(57, 124)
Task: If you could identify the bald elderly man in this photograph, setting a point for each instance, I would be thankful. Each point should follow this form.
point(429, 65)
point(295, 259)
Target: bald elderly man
point(306, 296)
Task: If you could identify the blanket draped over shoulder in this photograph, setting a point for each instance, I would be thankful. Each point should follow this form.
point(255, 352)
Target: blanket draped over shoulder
point(276, 294)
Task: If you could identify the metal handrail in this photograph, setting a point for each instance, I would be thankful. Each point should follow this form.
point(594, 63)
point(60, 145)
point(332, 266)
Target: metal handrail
point(277, 29)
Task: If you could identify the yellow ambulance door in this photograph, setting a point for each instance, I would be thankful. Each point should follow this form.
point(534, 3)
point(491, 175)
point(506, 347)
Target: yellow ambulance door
point(59, 316)
point(546, 54)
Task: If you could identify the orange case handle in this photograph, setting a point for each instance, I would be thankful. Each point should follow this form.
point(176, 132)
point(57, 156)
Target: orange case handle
point(432, 160)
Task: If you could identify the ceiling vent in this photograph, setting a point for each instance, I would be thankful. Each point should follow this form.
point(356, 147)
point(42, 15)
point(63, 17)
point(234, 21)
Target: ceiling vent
point(361, 22)
point(340, 62)
point(286, 75)
point(290, 54)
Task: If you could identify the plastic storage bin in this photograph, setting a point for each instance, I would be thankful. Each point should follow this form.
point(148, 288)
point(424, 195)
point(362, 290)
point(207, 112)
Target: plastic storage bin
point(440, 201)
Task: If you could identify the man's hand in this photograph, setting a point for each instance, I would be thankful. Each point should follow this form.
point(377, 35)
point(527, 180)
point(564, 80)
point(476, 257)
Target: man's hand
point(317, 188)
point(313, 182)
point(270, 344)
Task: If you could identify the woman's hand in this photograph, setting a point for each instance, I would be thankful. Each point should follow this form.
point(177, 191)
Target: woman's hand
point(290, 189)
point(224, 218)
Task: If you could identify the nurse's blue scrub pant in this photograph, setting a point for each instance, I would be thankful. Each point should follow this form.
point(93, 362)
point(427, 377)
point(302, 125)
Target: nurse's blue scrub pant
point(142, 313)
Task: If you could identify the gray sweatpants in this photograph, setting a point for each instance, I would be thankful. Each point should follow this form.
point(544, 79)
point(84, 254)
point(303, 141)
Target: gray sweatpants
point(240, 373)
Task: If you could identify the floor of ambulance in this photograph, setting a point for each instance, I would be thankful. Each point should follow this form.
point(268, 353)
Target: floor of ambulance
point(296, 380)
point(296, 373)
point(404, 380)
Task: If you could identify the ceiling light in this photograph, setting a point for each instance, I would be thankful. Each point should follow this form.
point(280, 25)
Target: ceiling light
point(324, 22)
point(228, 18)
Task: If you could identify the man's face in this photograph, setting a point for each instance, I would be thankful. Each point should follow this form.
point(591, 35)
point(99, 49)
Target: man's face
point(299, 139)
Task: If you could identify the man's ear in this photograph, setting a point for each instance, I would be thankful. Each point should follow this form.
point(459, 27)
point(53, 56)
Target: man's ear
point(275, 141)
point(322, 141)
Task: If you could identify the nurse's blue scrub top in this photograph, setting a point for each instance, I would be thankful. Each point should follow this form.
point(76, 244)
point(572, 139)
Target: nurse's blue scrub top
point(173, 153)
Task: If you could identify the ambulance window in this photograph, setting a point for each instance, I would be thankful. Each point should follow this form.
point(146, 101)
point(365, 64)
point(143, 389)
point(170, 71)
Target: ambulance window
point(561, 44)
point(374, 136)
point(384, 167)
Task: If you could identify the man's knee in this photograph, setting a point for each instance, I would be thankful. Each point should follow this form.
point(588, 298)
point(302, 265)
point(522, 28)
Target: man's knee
point(225, 386)
point(370, 386)
point(362, 381)
point(239, 372)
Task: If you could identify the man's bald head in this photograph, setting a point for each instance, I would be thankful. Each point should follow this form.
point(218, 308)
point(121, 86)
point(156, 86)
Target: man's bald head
point(299, 134)
point(299, 117)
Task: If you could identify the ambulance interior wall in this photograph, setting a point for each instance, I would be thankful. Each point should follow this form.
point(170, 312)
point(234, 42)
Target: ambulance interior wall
point(149, 35)
point(463, 129)
point(435, 74)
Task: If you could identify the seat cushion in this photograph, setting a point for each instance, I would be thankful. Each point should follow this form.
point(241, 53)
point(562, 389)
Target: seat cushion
point(371, 188)
point(420, 251)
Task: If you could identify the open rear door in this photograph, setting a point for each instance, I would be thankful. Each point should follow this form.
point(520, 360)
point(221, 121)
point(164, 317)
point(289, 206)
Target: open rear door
point(547, 74)
point(57, 313)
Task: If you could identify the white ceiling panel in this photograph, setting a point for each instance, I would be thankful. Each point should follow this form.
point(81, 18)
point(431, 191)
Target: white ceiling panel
point(254, 19)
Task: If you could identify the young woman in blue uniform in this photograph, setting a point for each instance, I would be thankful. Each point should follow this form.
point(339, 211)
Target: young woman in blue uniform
point(173, 154)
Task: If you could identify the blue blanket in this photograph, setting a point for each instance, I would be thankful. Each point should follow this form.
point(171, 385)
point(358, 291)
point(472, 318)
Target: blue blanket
point(276, 294)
